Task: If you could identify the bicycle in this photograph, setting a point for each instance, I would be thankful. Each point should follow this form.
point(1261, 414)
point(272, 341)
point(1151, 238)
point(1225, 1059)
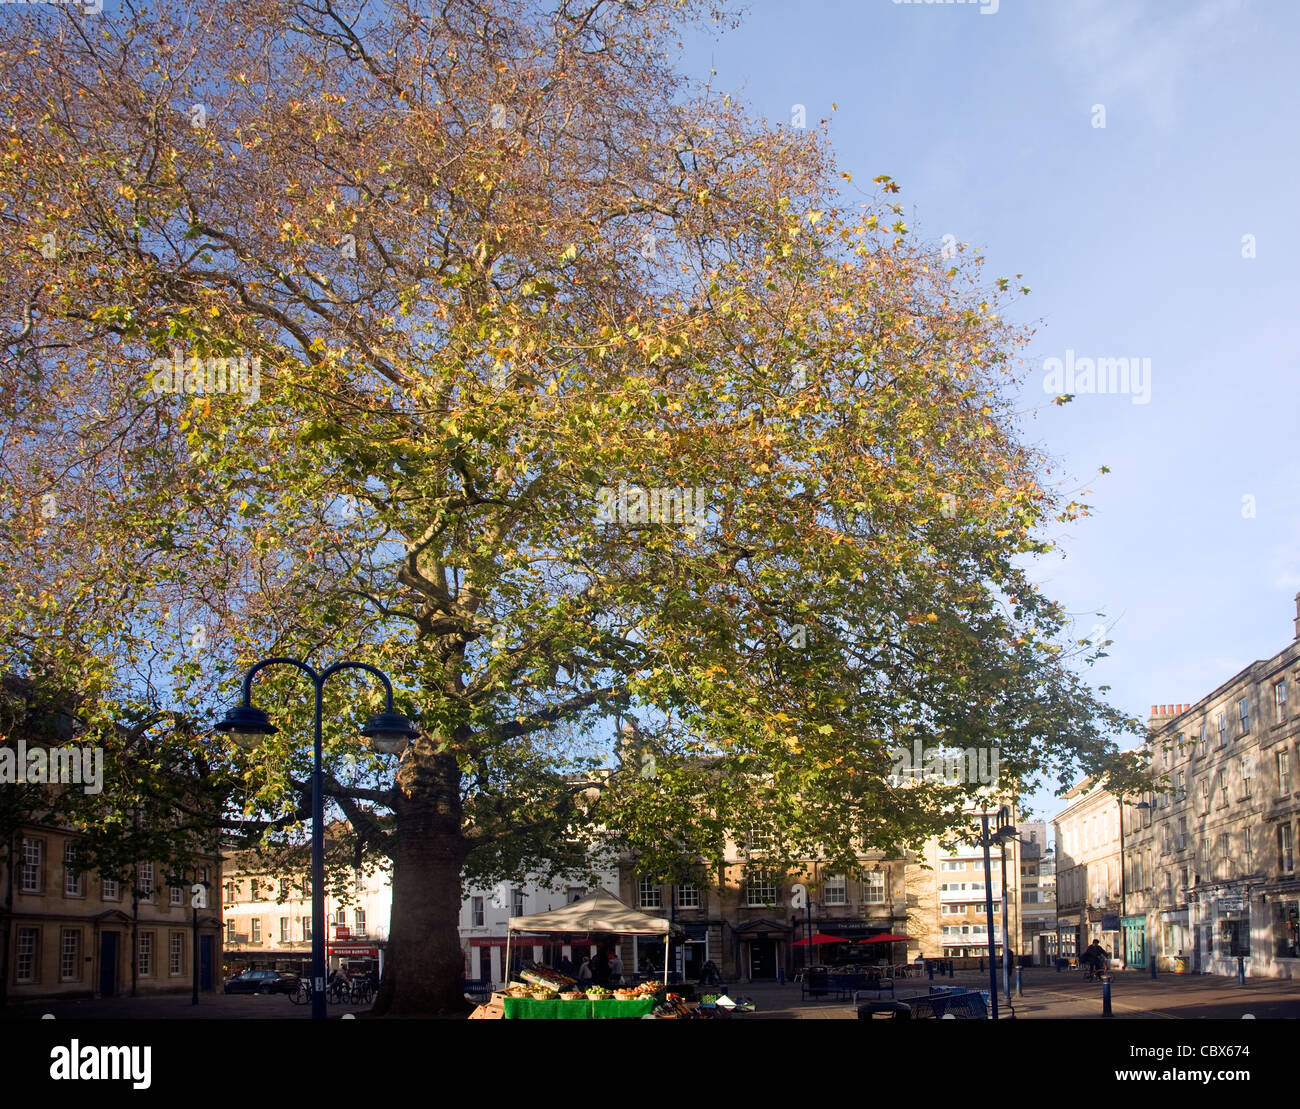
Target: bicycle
point(302, 993)
point(362, 992)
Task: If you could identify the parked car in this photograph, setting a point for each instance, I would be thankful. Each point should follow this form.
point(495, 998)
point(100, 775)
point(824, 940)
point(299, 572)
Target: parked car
point(262, 981)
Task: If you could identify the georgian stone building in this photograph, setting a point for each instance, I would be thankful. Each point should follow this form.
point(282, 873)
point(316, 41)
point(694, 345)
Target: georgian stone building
point(1088, 901)
point(74, 933)
point(1211, 864)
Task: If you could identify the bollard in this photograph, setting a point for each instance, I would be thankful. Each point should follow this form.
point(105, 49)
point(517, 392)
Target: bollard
point(781, 976)
point(1020, 986)
point(1241, 970)
point(950, 964)
point(1059, 960)
point(1153, 966)
point(929, 969)
point(1105, 995)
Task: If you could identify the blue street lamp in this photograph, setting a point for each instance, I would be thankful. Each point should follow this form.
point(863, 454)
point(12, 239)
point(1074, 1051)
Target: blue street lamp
point(389, 733)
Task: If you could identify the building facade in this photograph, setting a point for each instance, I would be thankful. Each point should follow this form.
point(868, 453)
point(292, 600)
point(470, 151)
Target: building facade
point(267, 920)
point(74, 933)
point(1037, 893)
point(1212, 860)
point(1088, 890)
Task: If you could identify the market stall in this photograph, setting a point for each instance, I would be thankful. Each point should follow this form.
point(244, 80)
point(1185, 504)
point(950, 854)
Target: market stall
point(602, 914)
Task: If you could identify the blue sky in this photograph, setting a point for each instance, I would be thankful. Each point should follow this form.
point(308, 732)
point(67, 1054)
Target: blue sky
point(1131, 238)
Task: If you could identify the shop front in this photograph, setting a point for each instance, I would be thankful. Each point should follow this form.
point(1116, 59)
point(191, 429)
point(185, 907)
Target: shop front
point(355, 958)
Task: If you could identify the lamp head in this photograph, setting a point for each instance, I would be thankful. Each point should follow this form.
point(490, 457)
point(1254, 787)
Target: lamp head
point(389, 732)
point(247, 725)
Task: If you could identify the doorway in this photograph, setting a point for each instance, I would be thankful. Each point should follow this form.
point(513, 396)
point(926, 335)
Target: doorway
point(108, 964)
point(762, 959)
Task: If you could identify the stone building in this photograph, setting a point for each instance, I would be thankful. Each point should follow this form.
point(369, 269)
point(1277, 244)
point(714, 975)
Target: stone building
point(1088, 887)
point(74, 933)
point(1212, 861)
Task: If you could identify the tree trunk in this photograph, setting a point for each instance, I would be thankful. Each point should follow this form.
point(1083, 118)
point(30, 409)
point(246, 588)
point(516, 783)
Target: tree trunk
point(425, 966)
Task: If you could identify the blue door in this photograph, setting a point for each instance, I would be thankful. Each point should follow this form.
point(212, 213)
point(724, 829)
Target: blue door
point(108, 964)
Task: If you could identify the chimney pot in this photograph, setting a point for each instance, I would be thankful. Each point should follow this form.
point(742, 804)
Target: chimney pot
point(1153, 710)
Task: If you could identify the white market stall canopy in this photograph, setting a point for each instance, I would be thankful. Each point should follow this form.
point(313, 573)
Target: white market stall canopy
point(601, 912)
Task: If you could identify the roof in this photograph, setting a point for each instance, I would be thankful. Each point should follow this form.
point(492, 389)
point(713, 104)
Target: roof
point(601, 912)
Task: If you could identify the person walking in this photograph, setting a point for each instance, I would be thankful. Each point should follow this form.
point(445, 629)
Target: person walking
point(584, 971)
point(616, 969)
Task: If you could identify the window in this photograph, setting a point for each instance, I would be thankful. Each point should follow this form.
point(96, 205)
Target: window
point(230, 893)
point(1223, 729)
point(476, 912)
point(761, 840)
point(359, 921)
point(306, 928)
point(1182, 834)
point(1223, 786)
point(359, 880)
point(33, 854)
point(110, 889)
point(516, 902)
point(1201, 743)
point(284, 929)
point(1180, 784)
point(1285, 856)
point(1225, 846)
point(70, 955)
point(203, 874)
point(230, 931)
point(175, 949)
point(1283, 770)
point(255, 933)
point(1247, 773)
point(25, 969)
point(144, 880)
point(74, 883)
point(688, 896)
point(760, 888)
point(1279, 701)
point(874, 887)
point(1166, 839)
point(836, 890)
point(144, 957)
point(176, 895)
point(1205, 796)
point(649, 894)
point(341, 917)
point(1146, 813)
point(1249, 849)
point(1243, 709)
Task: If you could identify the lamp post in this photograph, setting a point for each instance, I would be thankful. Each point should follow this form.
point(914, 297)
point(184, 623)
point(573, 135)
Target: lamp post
point(1004, 822)
point(985, 841)
point(198, 900)
point(389, 733)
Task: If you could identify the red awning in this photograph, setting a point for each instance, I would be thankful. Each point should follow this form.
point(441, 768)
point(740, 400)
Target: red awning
point(820, 938)
point(888, 937)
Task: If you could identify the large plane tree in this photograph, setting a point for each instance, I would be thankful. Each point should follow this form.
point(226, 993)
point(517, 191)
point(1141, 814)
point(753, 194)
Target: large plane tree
point(473, 341)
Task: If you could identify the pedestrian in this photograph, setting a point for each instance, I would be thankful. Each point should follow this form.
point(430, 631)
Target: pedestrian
point(566, 966)
point(616, 970)
point(709, 974)
point(584, 972)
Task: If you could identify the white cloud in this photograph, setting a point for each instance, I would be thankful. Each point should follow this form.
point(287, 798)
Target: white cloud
point(1120, 49)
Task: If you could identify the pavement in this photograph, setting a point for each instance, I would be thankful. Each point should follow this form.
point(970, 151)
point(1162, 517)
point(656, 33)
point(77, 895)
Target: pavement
point(275, 1006)
point(1047, 994)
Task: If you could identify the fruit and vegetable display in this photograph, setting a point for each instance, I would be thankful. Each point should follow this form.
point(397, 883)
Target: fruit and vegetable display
point(545, 976)
point(598, 993)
